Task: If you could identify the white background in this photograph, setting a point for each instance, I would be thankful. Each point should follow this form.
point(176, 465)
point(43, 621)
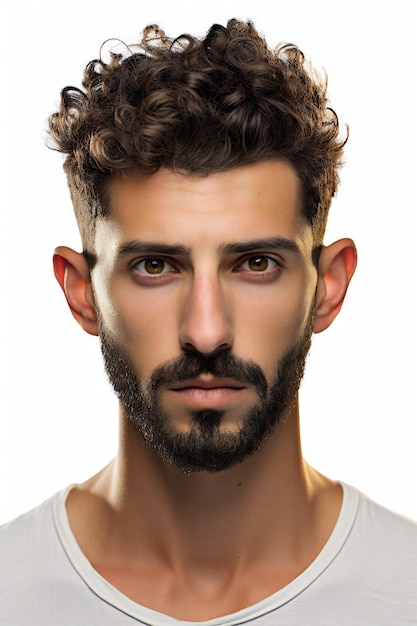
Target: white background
point(57, 415)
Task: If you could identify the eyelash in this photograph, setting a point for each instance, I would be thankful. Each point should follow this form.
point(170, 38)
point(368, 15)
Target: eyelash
point(169, 268)
point(258, 257)
point(153, 260)
point(142, 277)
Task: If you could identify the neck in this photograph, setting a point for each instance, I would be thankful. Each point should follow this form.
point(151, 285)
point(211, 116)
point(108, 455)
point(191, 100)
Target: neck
point(272, 506)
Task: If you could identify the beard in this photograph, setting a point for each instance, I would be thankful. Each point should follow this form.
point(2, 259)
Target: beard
point(206, 446)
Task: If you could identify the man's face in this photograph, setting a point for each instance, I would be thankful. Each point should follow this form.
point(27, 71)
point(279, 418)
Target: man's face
point(205, 291)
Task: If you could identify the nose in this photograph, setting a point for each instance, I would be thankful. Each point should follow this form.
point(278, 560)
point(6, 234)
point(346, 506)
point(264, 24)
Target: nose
point(205, 323)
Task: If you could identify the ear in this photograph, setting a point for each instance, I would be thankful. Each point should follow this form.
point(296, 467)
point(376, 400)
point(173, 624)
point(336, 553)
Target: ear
point(73, 274)
point(337, 264)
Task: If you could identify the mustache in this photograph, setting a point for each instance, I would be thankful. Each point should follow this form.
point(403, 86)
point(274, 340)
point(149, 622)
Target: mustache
point(220, 364)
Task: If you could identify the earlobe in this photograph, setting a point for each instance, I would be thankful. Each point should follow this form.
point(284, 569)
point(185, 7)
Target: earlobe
point(72, 273)
point(336, 267)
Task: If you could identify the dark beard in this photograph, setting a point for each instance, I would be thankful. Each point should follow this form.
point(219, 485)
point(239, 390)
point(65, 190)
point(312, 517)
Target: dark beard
point(205, 447)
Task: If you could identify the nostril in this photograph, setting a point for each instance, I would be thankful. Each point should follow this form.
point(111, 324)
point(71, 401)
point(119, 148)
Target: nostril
point(205, 325)
point(188, 346)
point(206, 350)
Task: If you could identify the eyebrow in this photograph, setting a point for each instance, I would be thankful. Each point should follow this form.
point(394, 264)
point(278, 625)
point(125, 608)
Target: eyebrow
point(241, 247)
point(268, 243)
point(151, 247)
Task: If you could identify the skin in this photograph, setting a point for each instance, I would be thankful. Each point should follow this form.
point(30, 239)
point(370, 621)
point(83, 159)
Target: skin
point(206, 544)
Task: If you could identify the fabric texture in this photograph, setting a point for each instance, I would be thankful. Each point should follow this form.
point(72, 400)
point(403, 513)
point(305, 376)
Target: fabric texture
point(366, 574)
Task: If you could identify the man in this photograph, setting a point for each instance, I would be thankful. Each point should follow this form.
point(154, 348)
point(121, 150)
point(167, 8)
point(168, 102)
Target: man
point(201, 173)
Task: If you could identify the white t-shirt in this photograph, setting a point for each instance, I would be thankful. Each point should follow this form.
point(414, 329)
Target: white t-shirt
point(366, 574)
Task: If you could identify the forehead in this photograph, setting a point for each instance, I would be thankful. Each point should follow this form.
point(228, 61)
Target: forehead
point(252, 201)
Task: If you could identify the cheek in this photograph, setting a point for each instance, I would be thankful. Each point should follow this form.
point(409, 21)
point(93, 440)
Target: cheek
point(142, 323)
point(270, 325)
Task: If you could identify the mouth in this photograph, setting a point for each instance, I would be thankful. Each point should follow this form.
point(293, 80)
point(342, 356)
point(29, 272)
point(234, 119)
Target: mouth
point(206, 381)
point(207, 391)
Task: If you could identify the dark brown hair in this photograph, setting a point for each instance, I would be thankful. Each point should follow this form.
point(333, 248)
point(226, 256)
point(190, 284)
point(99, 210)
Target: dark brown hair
point(198, 106)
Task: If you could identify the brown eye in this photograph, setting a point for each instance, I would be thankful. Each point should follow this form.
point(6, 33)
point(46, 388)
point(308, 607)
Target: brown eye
point(153, 267)
point(258, 263)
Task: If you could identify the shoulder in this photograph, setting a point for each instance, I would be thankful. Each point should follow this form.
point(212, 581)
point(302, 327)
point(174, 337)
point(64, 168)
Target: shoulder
point(34, 573)
point(22, 530)
point(382, 548)
point(367, 571)
point(29, 539)
point(380, 524)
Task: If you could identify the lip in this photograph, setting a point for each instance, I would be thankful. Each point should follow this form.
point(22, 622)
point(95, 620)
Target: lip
point(214, 393)
point(207, 383)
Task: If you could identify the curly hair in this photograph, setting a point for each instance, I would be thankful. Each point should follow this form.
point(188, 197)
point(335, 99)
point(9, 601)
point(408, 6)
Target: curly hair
point(198, 106)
